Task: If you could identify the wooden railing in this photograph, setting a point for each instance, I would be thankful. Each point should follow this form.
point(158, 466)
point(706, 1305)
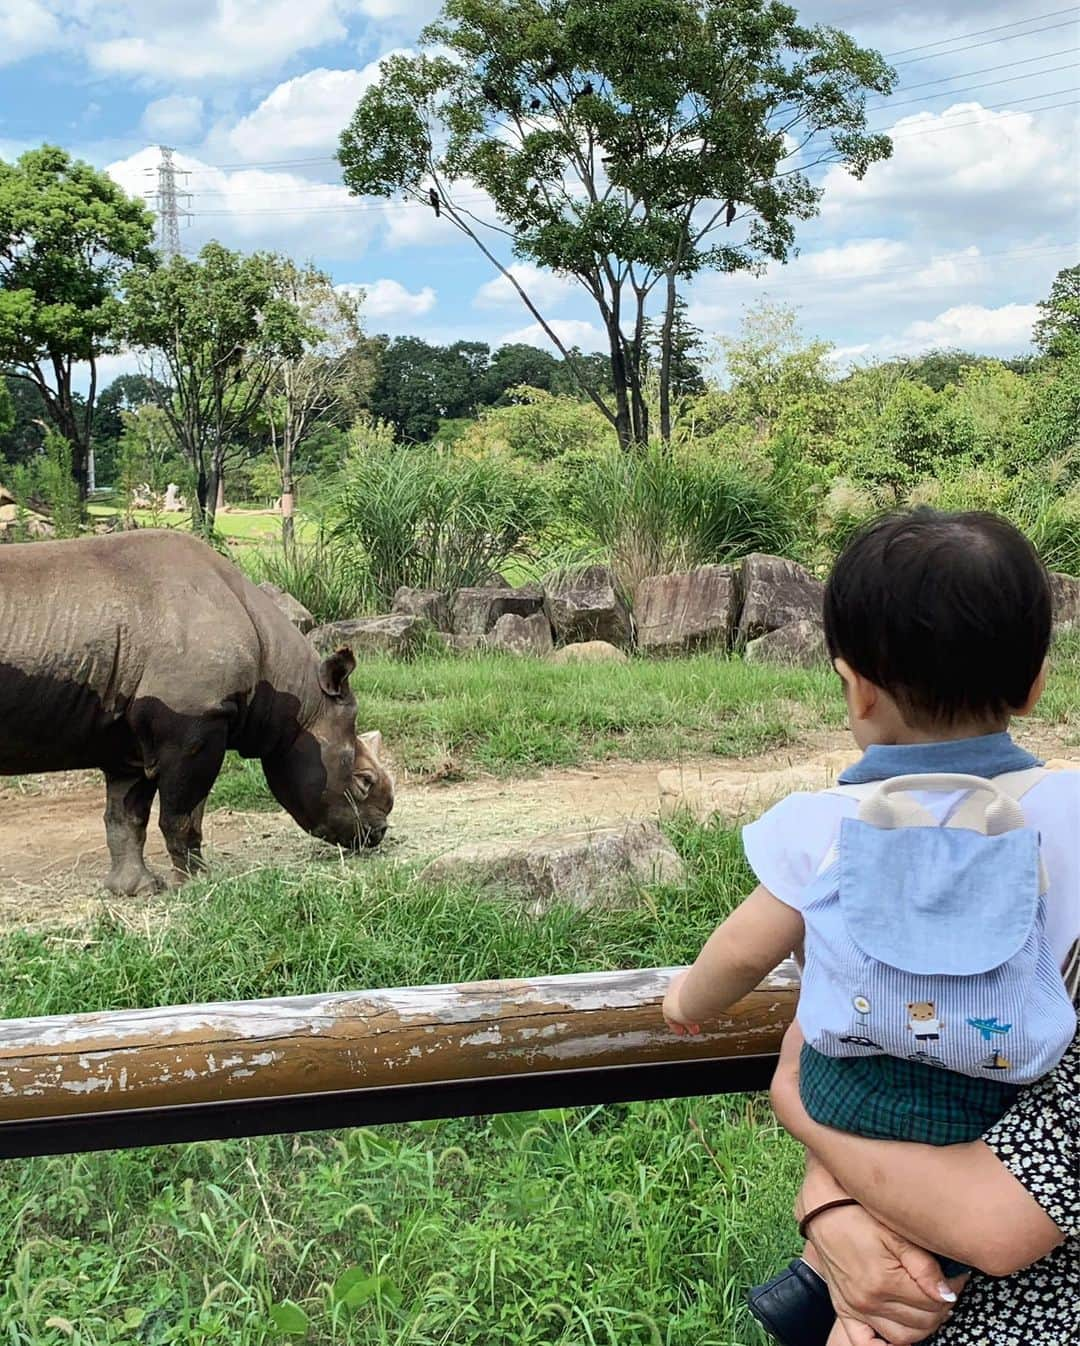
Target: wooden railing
point(71, 1083)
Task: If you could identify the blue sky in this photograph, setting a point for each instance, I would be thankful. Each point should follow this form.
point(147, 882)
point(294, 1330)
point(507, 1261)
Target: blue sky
point(950, 243)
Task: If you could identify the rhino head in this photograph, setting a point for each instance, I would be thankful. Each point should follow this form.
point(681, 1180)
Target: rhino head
point(330, 779)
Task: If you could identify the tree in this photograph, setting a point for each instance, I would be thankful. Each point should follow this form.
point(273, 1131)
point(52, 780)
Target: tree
point(684, 348)
point(25, 437)
point(1057, 331)
point(7, 411)
point(309, 384)
point(68, 235)
point(517, 365)
point(620, 142)
point(125, 394)
point(418, 385)
point(211, 334)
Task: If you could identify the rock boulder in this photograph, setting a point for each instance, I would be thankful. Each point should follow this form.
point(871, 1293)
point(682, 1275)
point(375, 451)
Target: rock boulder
point(522, 635)
point(292, 607)
point(1066, 594)
point(798, 645)
point(587, 605)
point(605, 866)
point(474, 612)
point(589, 652)
point(680, 613)
point(773, 592)
point(399, 634)
point(431, 604)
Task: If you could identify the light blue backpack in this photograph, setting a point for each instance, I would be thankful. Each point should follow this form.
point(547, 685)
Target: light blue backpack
point(925, 938)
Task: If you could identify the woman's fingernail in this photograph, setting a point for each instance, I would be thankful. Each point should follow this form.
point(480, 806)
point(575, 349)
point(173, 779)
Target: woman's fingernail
point(948, 1295)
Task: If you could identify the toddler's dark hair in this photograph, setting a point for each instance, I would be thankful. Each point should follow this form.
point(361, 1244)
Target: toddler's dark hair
point(948, 613)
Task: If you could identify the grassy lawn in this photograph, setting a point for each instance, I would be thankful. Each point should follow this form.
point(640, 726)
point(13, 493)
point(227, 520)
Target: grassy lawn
point(242, 525)
point(447, 718)
point(630, 1225)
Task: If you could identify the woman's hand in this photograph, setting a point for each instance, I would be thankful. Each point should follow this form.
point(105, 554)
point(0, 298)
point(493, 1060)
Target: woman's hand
point(675, 1016)
point(879, 1280)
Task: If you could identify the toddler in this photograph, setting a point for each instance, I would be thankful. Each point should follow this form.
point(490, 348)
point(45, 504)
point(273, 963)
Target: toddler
point(935, 892)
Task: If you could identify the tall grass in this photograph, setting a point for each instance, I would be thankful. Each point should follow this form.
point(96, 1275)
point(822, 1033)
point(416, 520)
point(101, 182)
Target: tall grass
point(658, 511)
point(428, 518)
point(330, 580)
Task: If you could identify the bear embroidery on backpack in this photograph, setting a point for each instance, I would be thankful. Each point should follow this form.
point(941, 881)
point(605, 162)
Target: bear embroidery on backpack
point(923, 1021)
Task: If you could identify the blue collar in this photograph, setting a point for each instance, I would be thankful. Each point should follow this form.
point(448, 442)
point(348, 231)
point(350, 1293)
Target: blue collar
point(987, 755)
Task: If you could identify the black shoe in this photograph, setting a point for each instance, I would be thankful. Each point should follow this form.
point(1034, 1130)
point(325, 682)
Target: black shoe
point(794, 1307)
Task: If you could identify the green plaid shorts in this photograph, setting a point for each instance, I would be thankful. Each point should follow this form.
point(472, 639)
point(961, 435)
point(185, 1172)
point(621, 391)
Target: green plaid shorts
point(890, 1099)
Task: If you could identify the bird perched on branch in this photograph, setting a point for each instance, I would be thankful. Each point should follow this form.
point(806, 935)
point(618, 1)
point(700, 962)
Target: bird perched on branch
point(730, 213)
point(535, 105)
point(436, 202)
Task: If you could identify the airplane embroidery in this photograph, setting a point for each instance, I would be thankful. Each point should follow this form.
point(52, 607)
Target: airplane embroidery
point(988, 1027)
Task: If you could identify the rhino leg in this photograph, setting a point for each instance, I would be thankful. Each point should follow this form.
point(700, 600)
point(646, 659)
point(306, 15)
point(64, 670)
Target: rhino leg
point(127, 811)
point(184, 781)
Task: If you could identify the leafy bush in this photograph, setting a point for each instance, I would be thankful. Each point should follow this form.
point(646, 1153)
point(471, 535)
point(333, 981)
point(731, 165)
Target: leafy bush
point(46, 484)
point(430, 518)
point(658, 511)
point(325, 578)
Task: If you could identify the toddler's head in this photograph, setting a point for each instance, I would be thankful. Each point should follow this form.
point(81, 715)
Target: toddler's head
point(939, 625)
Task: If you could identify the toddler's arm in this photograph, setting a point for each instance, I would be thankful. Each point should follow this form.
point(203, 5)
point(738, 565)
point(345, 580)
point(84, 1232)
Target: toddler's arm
point(758, 934)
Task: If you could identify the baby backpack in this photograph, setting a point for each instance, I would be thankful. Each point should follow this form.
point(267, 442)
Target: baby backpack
point(925, 938)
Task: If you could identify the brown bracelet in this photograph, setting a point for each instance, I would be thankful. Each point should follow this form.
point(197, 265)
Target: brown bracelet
point(804, 1223)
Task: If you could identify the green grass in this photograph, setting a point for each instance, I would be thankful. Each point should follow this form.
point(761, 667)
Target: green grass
point(612, 1226)
point(240, 524)
point(450, 717)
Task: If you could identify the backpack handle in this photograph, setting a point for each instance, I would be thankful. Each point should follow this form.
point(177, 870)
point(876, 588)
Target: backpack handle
point(1002, 814)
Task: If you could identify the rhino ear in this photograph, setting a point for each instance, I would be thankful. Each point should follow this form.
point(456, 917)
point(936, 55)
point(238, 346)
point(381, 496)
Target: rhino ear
point(334, 672)
point(372, 741)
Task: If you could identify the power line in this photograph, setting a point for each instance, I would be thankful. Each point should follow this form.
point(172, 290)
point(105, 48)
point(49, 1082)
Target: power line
point(955, 51)
point(988, 69)
point(956, 126)
point(980, 32)
point(959, 260)
point(975, 88)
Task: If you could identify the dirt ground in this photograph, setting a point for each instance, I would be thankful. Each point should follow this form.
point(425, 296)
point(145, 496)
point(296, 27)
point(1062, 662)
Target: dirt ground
point(52, 837)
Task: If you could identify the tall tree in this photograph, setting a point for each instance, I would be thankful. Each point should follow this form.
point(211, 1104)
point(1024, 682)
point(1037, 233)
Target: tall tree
point(518, 365)
point(629, 144)
point(677, 361)
point(25, 437)
point(68, 235)
point(211, 333)
point(419, 384)
point(310, 384)
point(1057, 331)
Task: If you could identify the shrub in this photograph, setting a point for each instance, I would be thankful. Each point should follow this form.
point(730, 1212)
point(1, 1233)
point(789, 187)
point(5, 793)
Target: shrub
point(657, 511)
point(430, 518)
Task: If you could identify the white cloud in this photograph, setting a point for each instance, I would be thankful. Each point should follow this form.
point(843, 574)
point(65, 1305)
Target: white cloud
point(26, 27)
point(390, 299)
point(174, 118)
point(971, 327)
point(570, 331)
point(955, 172)
point(303, 114)
point(545, 288)
point(206, 39)
point(258, 208)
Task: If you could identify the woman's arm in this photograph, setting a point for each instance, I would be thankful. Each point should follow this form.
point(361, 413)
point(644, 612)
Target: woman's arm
point(760, 933)
point(958, 1200)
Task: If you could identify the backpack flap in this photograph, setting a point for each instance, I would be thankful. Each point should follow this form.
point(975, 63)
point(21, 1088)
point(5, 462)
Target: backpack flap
point(936, 901)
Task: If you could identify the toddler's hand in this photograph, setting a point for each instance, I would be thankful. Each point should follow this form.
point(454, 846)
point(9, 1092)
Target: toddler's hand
point(673, 1013)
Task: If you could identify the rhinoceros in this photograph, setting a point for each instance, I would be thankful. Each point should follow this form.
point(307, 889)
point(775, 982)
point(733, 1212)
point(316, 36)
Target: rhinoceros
point(147, 655)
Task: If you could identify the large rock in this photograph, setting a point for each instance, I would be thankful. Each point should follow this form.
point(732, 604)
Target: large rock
point(733, 793)
point(465, 644)
point(431, 604)
point(586, 605)
point(398, 634)
point(1066, 594)
point(774, 592)
point(291, 607)
point(601, 867)
point(797, 645)
point(522, 635)
point(589, 652)
point(691, 610)
point(474, 612)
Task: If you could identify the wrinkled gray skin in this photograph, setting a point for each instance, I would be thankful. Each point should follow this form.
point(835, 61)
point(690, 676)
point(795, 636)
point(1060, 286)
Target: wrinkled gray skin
point(147, 655)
